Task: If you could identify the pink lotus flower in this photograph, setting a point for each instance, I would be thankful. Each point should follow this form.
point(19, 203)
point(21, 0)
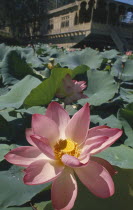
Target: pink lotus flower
point(71, 90)
point(62, 147)
point(129, 53)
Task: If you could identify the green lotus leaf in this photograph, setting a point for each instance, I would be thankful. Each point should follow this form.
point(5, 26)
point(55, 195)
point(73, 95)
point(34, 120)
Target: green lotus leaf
point(32, 110)
point(126, 117)
point(4, 149)
point(126, 94)
point(14, 68)
point(85, 199)
point(45, 205)
point(110, 54)
point(125, 74)
point(101, 88)
point(110, 121)
point(45, 92)
point(3, 50)
point(17, 208)
point(79, 70)
point(123, 189)
point(121, 156)
point(16, 96)
point(15, 192)
point(88, 57)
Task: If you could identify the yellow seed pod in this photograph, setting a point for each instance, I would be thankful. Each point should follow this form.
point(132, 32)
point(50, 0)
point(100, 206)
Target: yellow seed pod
point(50, 66)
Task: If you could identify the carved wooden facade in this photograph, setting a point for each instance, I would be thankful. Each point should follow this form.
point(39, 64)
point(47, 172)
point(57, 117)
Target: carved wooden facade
point(85, 20)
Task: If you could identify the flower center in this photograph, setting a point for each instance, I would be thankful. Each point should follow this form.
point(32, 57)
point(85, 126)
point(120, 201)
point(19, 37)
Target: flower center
point(66, 146)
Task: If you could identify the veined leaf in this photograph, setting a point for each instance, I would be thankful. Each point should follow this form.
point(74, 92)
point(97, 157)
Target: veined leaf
point(15, 97)
point(101, 88)
point(44, 93)
point(15, 192)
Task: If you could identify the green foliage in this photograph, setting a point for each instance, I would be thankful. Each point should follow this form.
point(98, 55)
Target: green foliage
point(3, 51)
point(18, 208)
point(85, 199)
point(43, 205)
point(21, 23)
point(101, 88)
point(121, 156)
point(109, 93)
point(128, 71)
point(126, 94)
point(110, 121)
point(126, 117)
point(88, 57)
point(110, 54)
point(45, 92)
point(125, 73)
point(15, 192)
point(123, 184)
point(4, 149)
point(79, 70)
point(16, 96)
point(14, 68)
point(127, 113)
point(33, 110)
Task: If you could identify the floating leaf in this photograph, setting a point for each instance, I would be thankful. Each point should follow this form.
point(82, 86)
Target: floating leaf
point(109, 54)
point(44, 93)
point(3, 50)
point(116, 69)
point(45, 205)
point(121, 156)
point(126, 73)
point(101, 88)
point(126, 94)
point(14, 68)
point(127, 113)
point(15, 192)
point(4, 149)
point(123, 185)
point(79, 70)
point(126, 117)
point(71, 109)
point(110, 121)
point(6, 114)
point(16, 96)
point(18, 208)
point(88, 57)
point(33, 110)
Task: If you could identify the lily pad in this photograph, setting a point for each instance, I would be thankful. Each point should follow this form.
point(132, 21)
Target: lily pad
point(44, 92)
point(109, 54)
point(110, 121)
point(45, 205)
point(15, 192)
point(126, 117)
point(101, 88)
point(126, 74)
point(126, 94)
point(123, 189)
point(4, 149)
point(18, 208)
point(33, 110)
point(14, 68)
point(3, 50)
point(121, 156)
point(79, 70)
point(86, 200)
point(88, 57)
point(15, 97)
